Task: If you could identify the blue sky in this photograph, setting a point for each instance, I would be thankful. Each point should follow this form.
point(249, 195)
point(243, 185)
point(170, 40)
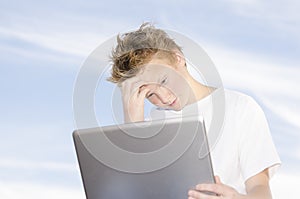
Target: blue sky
point(254, 44)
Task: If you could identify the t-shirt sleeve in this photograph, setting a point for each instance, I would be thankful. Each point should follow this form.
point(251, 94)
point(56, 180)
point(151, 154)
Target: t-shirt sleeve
point(257, 150)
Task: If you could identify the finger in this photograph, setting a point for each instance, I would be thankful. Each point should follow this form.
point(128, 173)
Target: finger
point(138, 84)
point(130, 88)
point(137, 96)
point(215, 188)
point(143, 92)
point(137, 89)
point(198, 195)
point(144, 87)
point(218, 180)
point(128, 83)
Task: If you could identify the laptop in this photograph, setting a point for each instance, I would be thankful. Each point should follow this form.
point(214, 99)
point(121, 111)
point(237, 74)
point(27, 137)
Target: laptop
point(153, 159)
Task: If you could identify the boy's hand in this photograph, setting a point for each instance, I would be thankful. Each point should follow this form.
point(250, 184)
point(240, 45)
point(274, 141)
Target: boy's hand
point(257, 187)
point(134, 92)
point(223, 191)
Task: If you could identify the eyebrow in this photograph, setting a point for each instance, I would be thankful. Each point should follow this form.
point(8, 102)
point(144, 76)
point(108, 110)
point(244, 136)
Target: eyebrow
point(161, 79)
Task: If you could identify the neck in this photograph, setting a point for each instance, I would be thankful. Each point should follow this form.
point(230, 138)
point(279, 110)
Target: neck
point(198, 91)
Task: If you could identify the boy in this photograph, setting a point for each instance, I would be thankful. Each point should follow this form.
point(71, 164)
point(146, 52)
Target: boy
point(147, 64)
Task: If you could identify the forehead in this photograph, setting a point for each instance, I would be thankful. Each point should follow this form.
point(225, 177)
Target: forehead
point(153, 72)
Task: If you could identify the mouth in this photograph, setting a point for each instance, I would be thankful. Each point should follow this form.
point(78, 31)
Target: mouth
point(173, 102)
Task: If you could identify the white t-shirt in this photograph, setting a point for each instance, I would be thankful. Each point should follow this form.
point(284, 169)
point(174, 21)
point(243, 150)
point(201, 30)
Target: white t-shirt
point(244, 146)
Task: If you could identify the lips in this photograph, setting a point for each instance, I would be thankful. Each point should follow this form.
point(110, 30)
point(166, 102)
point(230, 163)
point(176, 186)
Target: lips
point(173, 102)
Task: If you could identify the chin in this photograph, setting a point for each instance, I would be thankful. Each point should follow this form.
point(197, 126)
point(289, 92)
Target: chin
point(175, 108)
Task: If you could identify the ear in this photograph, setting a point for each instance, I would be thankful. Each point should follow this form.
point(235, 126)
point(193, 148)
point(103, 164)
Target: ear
point(180, 59)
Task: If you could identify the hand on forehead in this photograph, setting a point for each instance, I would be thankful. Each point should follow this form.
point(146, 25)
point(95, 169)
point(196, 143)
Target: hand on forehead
point(154, 73)
point(150, 74)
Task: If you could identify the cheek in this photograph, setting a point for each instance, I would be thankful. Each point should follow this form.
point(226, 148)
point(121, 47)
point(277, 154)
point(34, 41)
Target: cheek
point(176, 88)
point(154, 100)
point(180, 89)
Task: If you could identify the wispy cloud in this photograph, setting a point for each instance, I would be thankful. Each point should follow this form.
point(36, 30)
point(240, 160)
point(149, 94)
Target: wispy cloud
point(252, 71)
point(29, 190)
point(37, 165)
point(62, 42)
point(288, 112)
point(283, 15)
point(275, 86)
point(62, 31)
point(277, 10)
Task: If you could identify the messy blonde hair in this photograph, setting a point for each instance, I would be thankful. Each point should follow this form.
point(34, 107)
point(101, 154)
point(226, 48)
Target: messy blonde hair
point(137, 48)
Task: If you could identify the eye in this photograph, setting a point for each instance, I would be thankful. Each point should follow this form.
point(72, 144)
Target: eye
point(150, 95)
point(164, 80)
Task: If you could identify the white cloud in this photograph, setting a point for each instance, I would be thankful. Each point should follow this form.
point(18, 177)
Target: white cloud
point(77, 40)
point(36, 165)
point(242, 69)
point(76, 35)
point(245, 3)
point(63, 42)
point(37, 55)
point(279, 10)
point(29, 190)
point(287, 111)
point(275, 85)
point(283, 15)
point(239, 70)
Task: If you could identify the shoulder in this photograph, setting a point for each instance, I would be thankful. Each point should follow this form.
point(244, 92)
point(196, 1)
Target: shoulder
point(237, 96)
point(242, 109)
point(236, 99)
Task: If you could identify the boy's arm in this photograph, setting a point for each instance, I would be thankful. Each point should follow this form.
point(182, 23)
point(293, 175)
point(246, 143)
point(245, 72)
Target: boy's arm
point(133, 97)
point(257, 188)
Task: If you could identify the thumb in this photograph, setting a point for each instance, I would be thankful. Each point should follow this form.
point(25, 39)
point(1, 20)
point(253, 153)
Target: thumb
point(218, 181)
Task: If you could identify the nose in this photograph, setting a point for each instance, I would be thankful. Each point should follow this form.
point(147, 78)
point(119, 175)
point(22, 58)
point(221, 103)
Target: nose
point(164, 94)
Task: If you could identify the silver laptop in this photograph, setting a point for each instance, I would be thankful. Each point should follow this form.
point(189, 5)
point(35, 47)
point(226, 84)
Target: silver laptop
point(154, 159)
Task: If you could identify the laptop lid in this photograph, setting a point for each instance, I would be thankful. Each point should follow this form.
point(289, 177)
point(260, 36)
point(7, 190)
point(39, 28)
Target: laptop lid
point(154, 159)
